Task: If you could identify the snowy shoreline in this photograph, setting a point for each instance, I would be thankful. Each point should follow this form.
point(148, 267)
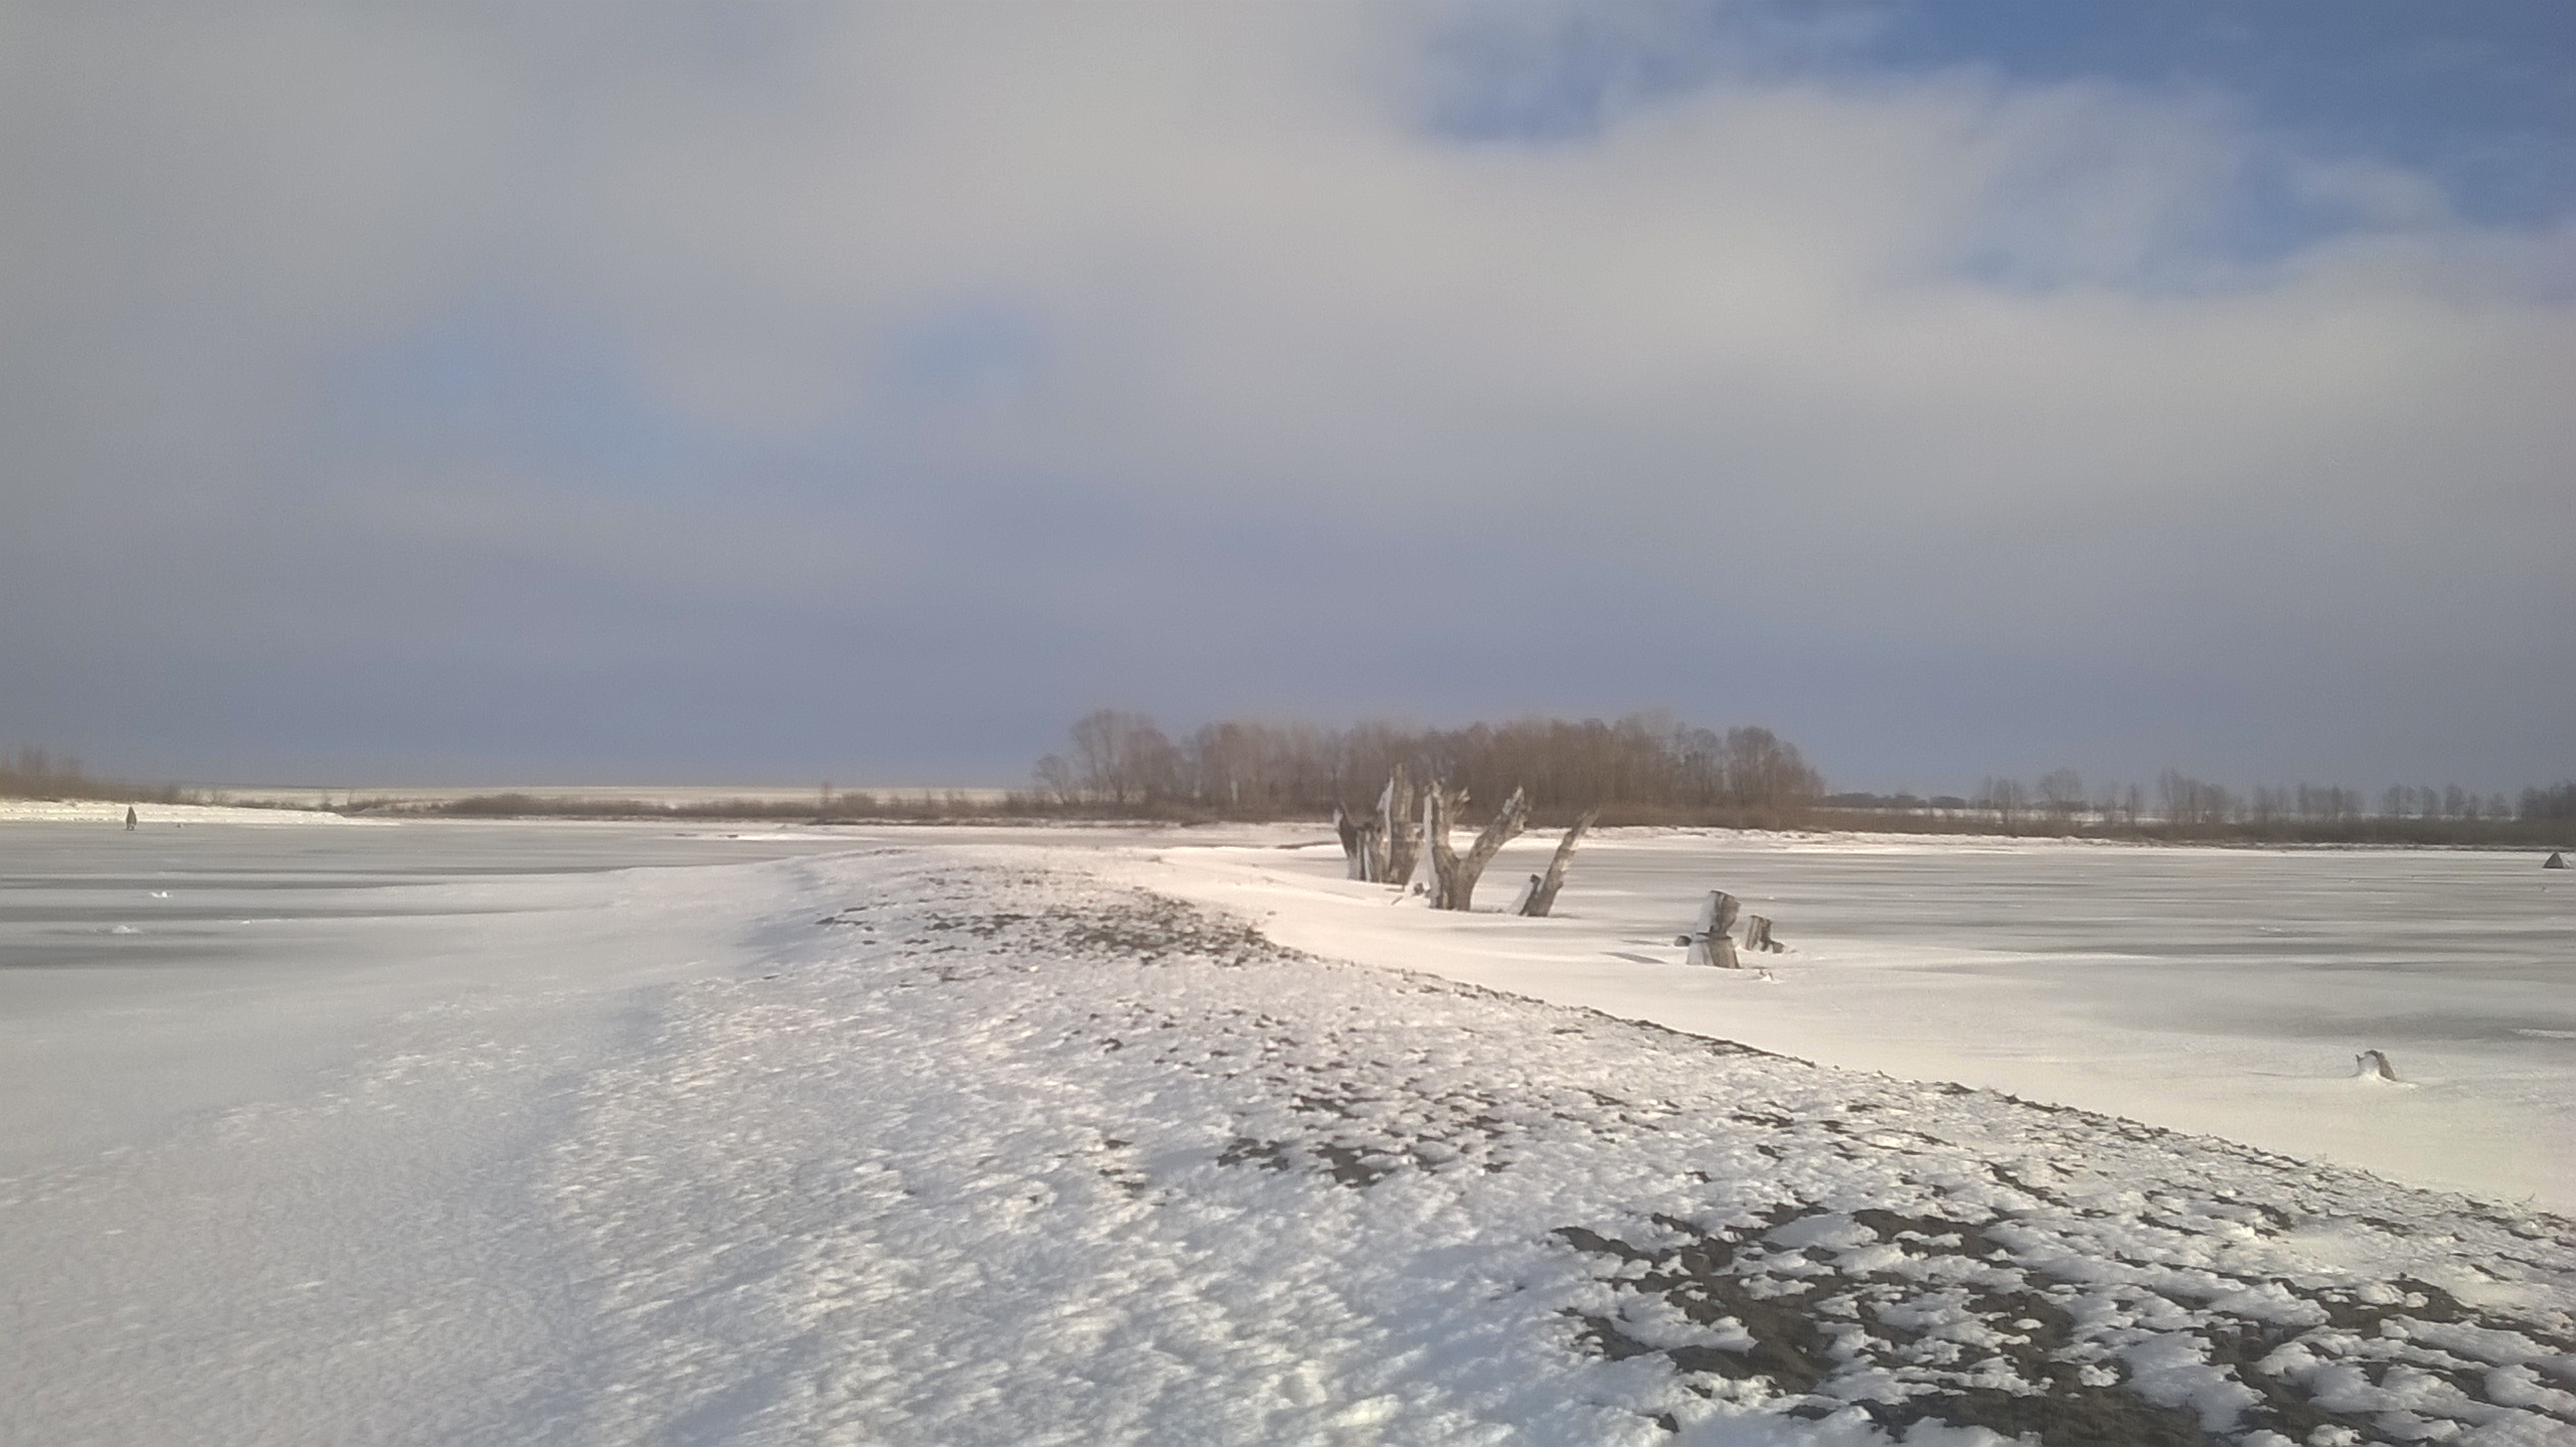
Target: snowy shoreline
point(112, 812)
point(2217, 992)
point(970, 1143)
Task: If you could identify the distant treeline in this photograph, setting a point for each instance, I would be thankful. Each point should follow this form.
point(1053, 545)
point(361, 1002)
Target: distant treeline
point(1641, 769)
point(33, 773)
point(2186, 808)
point(1651, 769)
point(928, 806)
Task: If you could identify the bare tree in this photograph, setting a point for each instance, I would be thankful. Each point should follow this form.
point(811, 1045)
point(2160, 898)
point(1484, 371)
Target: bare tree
point(2265, 808)
point(2006, 798)
point(1123, 758)
point(2191, 803)
point(1763, 771)
point(2062, 793)
point(1457, 874)
point(1543, 888)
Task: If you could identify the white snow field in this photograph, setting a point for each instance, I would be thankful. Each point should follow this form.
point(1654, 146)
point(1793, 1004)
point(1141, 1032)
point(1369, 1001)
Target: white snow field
point(162, 816)
point(2224, 991)
point(577, 1134)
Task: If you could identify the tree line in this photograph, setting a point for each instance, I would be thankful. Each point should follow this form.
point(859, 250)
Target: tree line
point(2181, 806)
point(1650, 768)
point(33, 773)
point(1645, 768)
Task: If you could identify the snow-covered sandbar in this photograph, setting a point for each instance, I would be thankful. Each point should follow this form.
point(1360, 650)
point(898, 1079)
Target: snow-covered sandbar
point(913, 1136)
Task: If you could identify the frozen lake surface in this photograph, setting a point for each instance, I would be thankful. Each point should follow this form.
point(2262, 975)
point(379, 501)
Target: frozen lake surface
point(183, 967)
point(2216, 990)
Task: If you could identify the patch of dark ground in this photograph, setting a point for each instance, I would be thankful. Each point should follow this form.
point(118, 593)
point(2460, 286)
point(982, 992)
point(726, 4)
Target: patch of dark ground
point(1817, 1336)
point(2037, 1312)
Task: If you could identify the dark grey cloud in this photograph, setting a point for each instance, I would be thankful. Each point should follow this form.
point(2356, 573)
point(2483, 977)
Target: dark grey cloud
point(866, 392)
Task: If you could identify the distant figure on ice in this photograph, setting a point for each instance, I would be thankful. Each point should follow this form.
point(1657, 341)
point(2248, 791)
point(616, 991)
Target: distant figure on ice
point(129, 818)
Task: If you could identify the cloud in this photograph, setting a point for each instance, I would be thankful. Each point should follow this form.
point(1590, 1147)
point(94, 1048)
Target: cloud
point(1067, 309)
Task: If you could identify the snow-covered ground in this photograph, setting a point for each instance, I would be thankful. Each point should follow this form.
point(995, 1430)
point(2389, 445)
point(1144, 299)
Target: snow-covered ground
point(2224, 991)
point(560, 1134)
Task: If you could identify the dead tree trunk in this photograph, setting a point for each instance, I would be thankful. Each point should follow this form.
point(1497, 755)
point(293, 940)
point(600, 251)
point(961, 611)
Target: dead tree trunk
point(1399, 831)
point(1542, 892)
point(1709, 942)
point(1354, 856)
point(1430, 850)
point(1459, 873)
point(1757, 935)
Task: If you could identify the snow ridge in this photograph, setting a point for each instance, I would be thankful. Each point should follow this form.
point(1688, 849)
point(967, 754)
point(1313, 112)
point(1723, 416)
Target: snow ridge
point(1005, 1154)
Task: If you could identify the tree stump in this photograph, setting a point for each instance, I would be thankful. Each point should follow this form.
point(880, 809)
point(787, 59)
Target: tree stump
point(1540, 897)
point(1757, 935)
point(1354, 857)
point(1708, 940)
point(1718, 915)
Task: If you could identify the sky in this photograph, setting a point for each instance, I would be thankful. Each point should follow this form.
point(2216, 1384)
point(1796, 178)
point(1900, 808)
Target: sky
point(458, 393)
